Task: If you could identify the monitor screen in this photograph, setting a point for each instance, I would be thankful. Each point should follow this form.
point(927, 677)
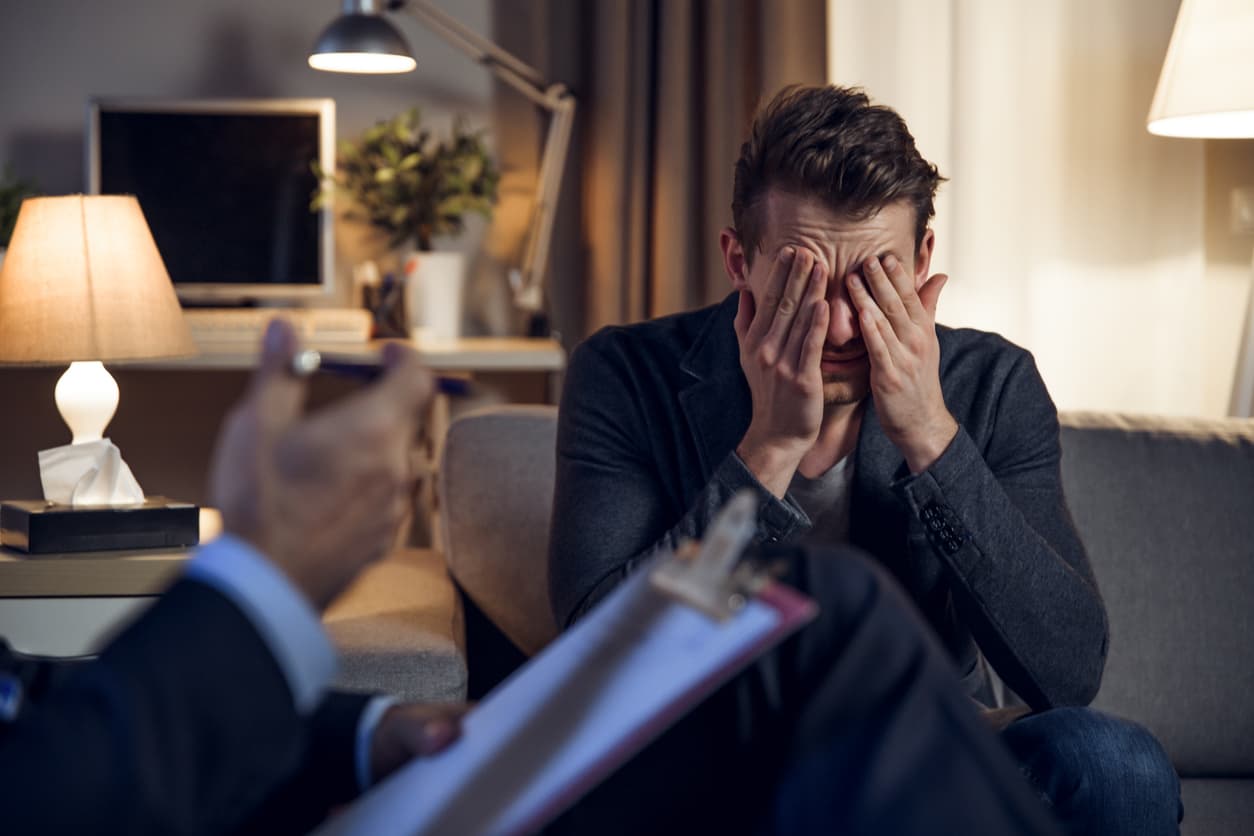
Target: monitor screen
point(226, 187)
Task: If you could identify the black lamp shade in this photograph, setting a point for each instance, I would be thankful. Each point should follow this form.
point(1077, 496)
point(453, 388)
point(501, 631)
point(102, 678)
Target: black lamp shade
point(362, 35)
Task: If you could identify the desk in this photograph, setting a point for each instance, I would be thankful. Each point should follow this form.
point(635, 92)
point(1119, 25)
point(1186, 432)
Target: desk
point(473, 357)
point(170, 410)
point(467, 354)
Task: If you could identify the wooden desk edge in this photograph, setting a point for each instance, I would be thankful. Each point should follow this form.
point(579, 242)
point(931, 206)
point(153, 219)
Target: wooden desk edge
point(522, 354)
point(89, 574)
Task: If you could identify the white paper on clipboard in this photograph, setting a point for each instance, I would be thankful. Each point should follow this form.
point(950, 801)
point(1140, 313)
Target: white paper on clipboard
point(568, 718)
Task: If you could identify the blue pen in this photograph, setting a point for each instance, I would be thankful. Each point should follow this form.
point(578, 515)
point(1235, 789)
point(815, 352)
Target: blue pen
point(307, 362)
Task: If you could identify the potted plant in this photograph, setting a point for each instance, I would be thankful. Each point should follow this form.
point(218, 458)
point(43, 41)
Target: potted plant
point(12, 192)
point(402, 181)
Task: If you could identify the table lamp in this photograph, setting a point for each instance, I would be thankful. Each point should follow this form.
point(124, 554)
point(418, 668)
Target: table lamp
point(1206, 90)
point(361, 40)
point(83, 283)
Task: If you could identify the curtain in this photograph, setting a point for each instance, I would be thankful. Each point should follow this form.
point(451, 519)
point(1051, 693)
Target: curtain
point(666, 90)
point(1065, 226)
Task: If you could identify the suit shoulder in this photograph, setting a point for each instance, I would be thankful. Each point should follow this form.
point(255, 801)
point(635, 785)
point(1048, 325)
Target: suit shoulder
point(655, 339)
point(983, 373)
point(966, 348)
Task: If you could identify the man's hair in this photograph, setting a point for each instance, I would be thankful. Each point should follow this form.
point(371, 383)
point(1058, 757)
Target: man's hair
point(830, 143)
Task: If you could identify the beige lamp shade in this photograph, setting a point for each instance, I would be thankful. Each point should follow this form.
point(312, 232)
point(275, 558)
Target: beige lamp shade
point(1207, 84)
point(82, 280)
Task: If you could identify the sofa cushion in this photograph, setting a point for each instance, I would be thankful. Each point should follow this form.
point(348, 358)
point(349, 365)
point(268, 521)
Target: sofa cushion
point(399, 630)
point(1166, 509)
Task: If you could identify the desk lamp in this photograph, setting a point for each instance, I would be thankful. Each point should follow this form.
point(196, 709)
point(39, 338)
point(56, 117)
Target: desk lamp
point(1206, 90)
point(83, 283)
point(361, 40)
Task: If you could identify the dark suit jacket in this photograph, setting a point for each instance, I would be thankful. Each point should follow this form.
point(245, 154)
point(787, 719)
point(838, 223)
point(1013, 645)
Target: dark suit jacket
point(184, 724)
point(983, 541)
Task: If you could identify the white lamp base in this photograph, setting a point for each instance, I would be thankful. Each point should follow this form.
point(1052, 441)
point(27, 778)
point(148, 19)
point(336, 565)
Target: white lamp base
point(87, 398)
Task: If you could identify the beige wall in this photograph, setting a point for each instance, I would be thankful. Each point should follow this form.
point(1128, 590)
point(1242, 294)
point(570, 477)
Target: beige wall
point(1066, 226)
point(55, 54)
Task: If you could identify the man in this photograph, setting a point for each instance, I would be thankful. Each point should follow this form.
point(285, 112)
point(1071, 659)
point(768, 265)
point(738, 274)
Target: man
point(824, 385)
point(209, 713)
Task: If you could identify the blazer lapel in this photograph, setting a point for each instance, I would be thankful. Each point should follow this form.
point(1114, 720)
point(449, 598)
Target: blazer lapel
point(875, 521)
point(716, 403)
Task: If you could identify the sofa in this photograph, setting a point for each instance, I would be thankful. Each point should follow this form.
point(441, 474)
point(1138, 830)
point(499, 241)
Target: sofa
point(1164, 505)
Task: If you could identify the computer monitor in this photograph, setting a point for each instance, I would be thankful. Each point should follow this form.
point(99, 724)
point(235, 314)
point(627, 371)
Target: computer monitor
point(225, 185)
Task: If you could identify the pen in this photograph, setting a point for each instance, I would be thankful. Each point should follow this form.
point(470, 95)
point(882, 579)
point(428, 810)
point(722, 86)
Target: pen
point(308, 361)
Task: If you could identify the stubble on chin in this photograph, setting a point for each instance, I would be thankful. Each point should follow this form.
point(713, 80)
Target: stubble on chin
point(843, 390)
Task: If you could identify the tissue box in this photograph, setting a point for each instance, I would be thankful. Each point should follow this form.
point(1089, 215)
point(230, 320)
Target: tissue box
point(41, 527)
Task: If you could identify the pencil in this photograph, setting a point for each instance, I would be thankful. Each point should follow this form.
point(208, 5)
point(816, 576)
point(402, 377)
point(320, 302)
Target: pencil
point(310, 361)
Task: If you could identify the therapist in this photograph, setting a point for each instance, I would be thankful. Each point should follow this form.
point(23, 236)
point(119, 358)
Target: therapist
point(211, 712)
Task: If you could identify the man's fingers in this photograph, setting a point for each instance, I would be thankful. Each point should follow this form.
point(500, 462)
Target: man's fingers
point(430, 728)
point(872, 320)
point(765, 307)
point(929, 294)
point(888, 295)
point(382, 417)
point(407, 385)
point(875, 334)
point(812, 348)
point(788, 310)
point(744, 315)
point(802, 328)
point(276, 395)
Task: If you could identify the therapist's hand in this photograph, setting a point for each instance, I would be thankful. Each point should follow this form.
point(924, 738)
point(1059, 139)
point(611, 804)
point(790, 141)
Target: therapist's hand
point(409, 731)
point(320, 494)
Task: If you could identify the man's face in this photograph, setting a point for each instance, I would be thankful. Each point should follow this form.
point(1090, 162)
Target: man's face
point(841, 245)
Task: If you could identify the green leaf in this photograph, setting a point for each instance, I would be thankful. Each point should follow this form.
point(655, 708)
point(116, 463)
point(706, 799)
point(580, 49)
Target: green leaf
point(403, 180)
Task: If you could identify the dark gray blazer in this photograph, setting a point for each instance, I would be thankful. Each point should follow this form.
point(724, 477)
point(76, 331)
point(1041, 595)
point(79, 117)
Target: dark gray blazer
point(983, 541)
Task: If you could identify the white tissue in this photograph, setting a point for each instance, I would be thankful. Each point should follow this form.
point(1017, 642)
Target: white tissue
point(90, 473)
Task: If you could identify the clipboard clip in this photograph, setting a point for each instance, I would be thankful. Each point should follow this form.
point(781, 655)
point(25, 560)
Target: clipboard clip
point(713, 580)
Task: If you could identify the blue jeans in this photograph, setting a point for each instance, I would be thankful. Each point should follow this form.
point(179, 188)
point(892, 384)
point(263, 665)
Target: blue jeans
point(1098, 773)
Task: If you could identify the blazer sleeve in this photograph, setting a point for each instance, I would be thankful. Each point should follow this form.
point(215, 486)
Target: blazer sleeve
point(182, 725)
point(326, 778)
point(1021, 580)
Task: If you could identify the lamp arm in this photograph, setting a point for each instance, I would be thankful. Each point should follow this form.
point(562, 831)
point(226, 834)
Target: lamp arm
point(527, 282)
point(529, 286)
point(512, 70)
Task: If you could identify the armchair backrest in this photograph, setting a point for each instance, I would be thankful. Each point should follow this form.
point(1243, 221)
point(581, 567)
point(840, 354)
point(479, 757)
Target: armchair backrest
point(496, 496)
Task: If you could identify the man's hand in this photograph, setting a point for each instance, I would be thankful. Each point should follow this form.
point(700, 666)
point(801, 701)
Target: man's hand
point(408, 731)
point(781, 341)
point(321, 495)
point(899, 330)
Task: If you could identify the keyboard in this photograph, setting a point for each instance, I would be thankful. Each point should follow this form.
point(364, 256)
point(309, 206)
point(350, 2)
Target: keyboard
point(246, 325)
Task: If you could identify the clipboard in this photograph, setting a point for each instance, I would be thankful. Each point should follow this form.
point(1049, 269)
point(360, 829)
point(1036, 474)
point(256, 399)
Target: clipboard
point(661, 643)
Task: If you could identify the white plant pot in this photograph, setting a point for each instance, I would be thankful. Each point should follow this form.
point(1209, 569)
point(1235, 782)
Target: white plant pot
point(433, 294)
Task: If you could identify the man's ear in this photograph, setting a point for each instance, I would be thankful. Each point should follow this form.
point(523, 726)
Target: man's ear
point(923, 258)
point(734, 261)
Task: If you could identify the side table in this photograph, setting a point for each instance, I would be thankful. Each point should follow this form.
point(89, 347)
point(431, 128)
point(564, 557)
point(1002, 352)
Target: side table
point(398, 629)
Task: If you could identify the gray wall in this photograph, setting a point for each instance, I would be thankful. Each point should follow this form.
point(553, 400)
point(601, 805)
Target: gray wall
point(55, 54)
